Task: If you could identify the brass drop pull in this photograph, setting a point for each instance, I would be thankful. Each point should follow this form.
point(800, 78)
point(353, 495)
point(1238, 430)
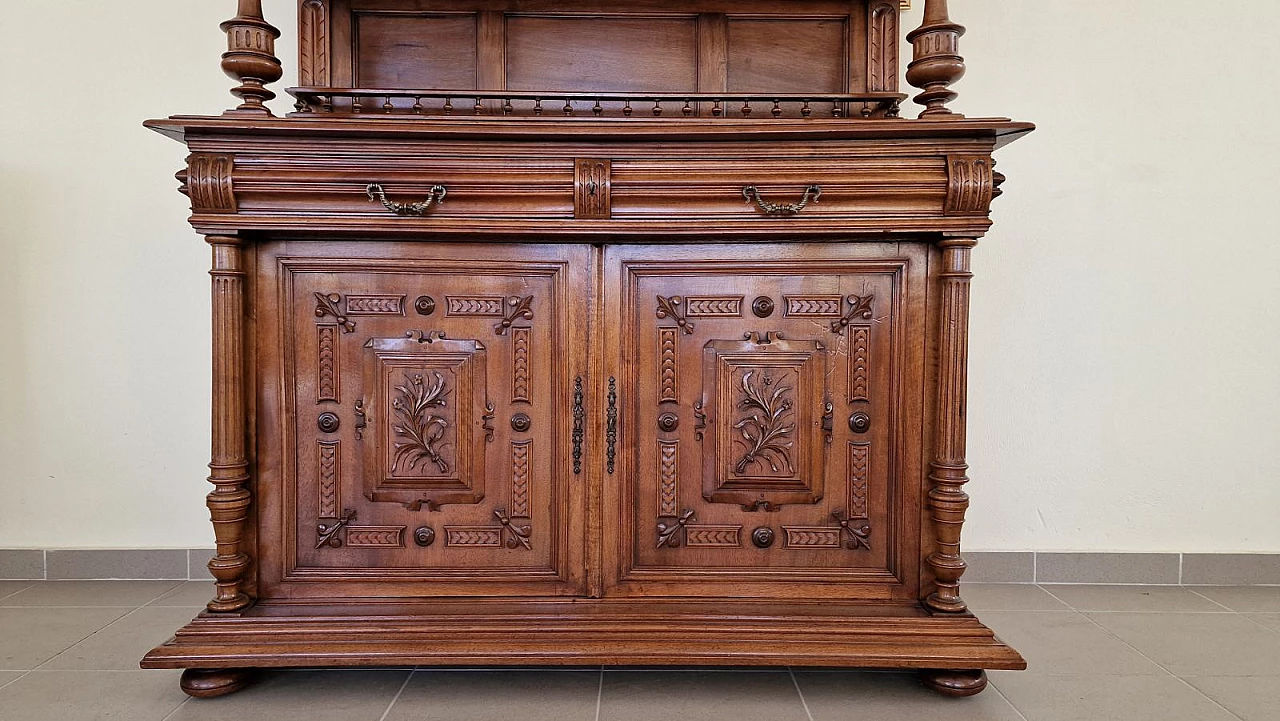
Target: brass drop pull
point(611, 428)
point(438, 192)
point(811, 195)
point(579, 417)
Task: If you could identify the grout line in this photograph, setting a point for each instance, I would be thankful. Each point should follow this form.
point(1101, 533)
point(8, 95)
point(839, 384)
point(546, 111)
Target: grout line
point(1210, 600)
point(796, 683)
point(992, 684)
point(600, 694)
point(395, 698)
point(82, 640)
point(44, 562)
point(23, 675)
point(1035, 567)
point(20, 590)
point(1162, 668)
point(185, 701)
point(1180, 556)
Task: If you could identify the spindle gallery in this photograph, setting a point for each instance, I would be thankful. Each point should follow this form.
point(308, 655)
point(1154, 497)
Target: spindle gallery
point(597, 333)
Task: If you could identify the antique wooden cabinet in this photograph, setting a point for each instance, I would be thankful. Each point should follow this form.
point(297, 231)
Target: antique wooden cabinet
point(590, 332)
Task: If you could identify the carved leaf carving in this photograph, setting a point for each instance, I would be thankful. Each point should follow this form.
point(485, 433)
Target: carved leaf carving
point(420, 429)
point(765, 432)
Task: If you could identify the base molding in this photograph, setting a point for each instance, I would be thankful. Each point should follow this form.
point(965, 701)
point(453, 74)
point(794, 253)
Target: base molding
point(652, 632)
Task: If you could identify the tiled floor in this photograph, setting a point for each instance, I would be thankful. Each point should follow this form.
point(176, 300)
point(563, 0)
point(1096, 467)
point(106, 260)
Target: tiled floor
point(69, 652)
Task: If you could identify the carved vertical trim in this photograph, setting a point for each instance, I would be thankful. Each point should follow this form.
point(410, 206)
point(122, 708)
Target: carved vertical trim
point(669, 478)
point(229, 463)
point(667, 360)
point(859, 473)
point(521, 469)
point(208, 183)
point(329, 376)
point(521, 338)
point(882, 52)
point(313, 36)
point(970, 184)
point(948, 501)
point(860, 363)
point(330, 483)
point(593, 189)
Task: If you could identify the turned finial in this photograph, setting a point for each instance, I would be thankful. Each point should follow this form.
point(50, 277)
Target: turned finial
point(937, 63)
point(250, 58)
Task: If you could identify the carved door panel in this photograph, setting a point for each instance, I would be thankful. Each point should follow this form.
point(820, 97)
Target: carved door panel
point(426, 448)
point(765, 434)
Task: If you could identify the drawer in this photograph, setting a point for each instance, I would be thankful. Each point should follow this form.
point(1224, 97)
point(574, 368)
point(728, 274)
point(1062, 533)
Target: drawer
point(750, 190)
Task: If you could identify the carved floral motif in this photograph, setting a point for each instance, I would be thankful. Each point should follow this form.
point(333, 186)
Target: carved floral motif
point(766, 435)
point(420, 429)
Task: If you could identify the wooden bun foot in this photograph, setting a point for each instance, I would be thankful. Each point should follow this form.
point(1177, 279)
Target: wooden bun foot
point(955, 683)
point(210, 683)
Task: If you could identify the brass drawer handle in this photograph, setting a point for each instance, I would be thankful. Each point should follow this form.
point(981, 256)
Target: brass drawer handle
point(438, 192)
point(811, 195)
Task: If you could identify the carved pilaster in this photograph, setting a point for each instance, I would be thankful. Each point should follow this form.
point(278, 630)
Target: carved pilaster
point(947, 499)
point(937, 64)
point(250, 58)
point(229, 501)
point(313, 43)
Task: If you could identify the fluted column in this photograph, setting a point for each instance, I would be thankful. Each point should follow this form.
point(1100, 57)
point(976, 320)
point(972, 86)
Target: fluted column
point(250, 58)
point(947, 499)
point(229, 466)
point(937, 64)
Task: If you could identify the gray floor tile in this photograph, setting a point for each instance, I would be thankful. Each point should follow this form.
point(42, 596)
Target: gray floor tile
point(8, 588)
point(1107, 698)
point(723, 696)
point(1252, 698)
point(121, 645)
point(1065, 643)
point(90, 593)
point(92, 696)
point(1270, 620)
point(1139, 599)
point(8, 677)
point(75, 564)
point(31, 636)
point(855, 695)
point(1009, 597)
point(188, 594)
point(1231, 569)
point(499, 696)
point(312, 695)
point(1000, 567)
point(1149, 568)
point(1245, 599)
point(1198, 644)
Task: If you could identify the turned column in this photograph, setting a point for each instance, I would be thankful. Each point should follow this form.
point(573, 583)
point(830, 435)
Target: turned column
point(947, 499)
point(250, 58)
point(229, 501)
point(937, 64)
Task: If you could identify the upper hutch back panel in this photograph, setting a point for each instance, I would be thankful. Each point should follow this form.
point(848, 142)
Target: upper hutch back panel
point(708, 46)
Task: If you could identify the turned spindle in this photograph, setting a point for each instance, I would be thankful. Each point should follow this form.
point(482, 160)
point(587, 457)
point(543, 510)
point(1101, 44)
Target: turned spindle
point(937, 64)
point(250, 58)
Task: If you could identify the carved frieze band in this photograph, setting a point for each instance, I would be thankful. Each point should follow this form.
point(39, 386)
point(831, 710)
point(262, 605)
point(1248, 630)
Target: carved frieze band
point(667, 360)
point(330, 453)
point(708, 536)
point(882, 55)
point(970, 186)
point(313, 28)
point(521, 469)
point(508, 534)
point(814, 306)
point(486, 306)
point(669, 478)
point(328, 382)
point(521, 339)
point(811, 537)
point(859, 471)
point(860, 363)
point(713, 306)
point(375, 536)
point(208, 183)
point(375, 305)
point(593, 189)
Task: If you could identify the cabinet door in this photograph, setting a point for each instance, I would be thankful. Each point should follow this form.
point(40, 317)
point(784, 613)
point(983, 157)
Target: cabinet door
point(415, 428)
point(769, 420)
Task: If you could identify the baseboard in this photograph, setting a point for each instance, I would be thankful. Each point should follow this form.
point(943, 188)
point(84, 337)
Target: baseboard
point(1156, 569)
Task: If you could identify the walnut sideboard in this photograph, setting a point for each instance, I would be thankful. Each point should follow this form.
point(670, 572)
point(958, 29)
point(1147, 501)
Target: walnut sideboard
point(589, 332)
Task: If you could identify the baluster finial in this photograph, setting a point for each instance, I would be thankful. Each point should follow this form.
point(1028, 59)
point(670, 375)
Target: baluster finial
point(937, 63)
point(250, 58)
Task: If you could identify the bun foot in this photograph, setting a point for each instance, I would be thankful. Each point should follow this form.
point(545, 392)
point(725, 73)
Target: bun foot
point(210, 683)
point(955, 683)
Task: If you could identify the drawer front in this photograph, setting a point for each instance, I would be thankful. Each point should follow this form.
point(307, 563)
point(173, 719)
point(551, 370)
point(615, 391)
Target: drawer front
point(800, 191)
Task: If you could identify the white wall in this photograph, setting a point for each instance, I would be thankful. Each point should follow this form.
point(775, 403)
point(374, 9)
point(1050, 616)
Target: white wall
point(1124, 394)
